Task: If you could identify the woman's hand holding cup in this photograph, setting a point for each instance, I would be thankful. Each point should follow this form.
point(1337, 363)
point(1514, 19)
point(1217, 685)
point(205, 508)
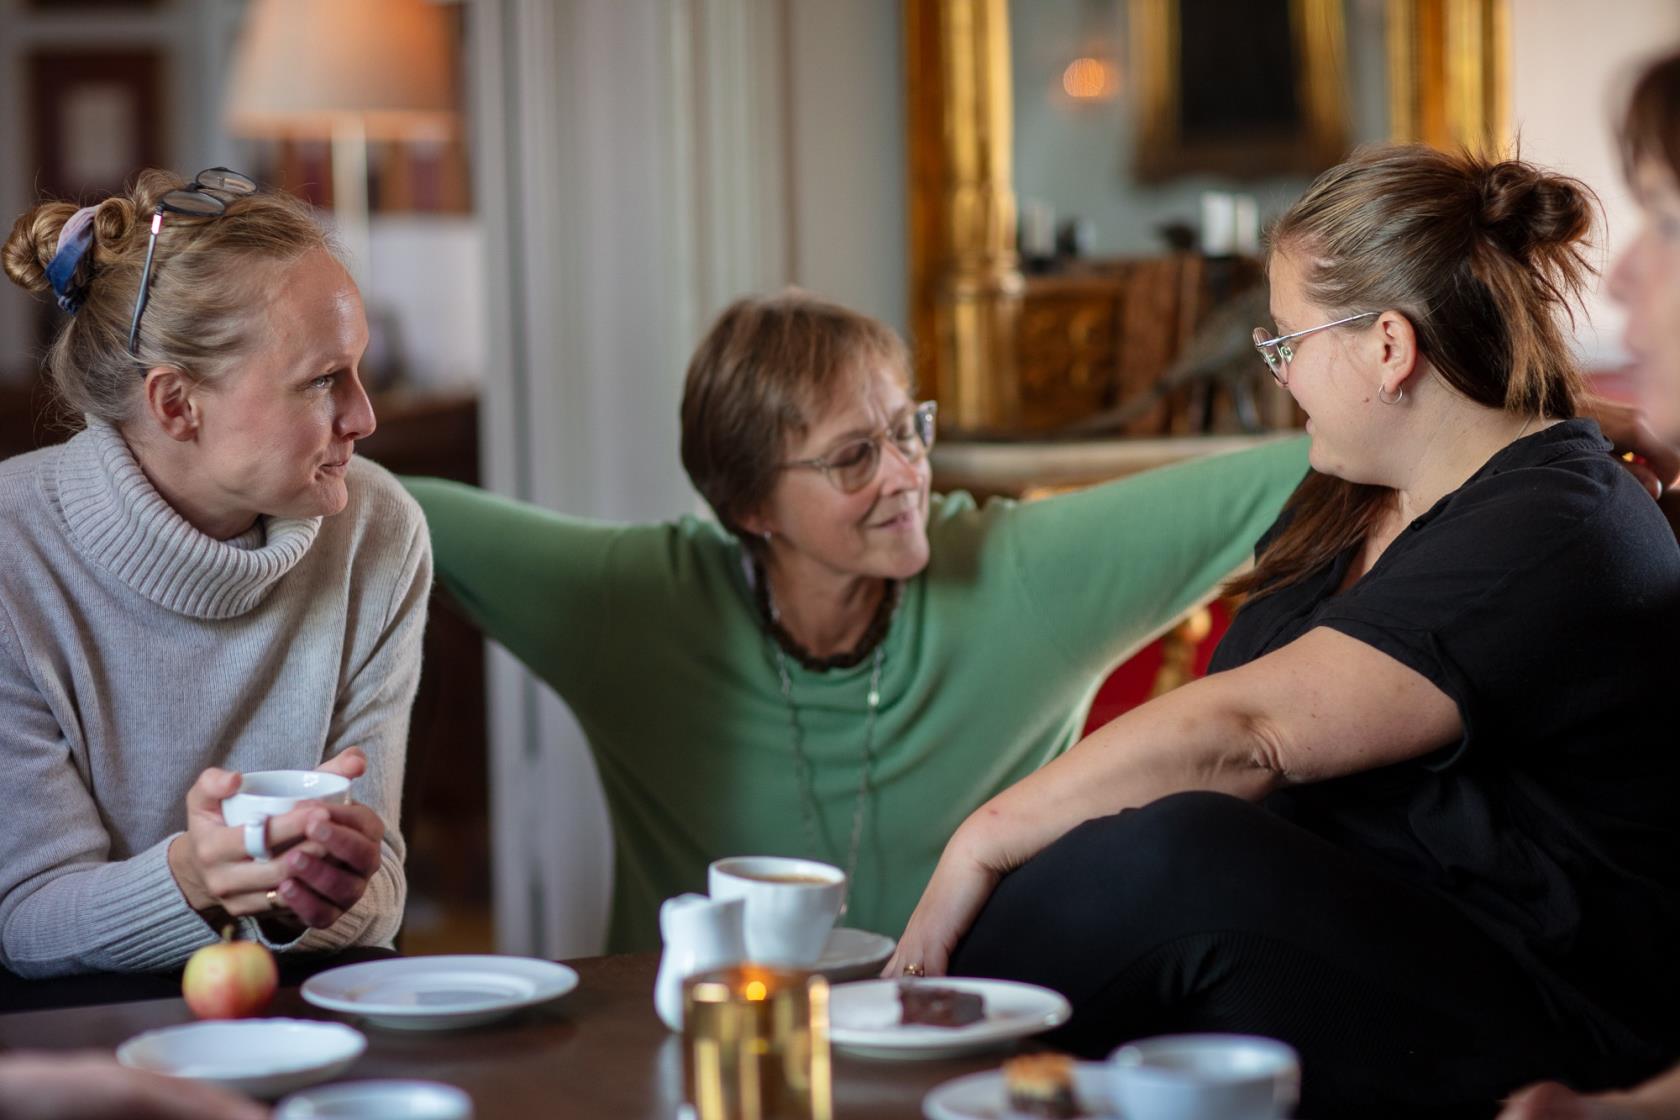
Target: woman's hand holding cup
point(329, 873)
point(253, 853)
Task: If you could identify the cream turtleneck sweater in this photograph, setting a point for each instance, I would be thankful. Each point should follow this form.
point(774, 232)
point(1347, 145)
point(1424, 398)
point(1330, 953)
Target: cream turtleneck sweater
point(136, 651)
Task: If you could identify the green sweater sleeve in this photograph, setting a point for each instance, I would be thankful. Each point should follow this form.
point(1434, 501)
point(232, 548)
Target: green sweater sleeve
point(1106, 569)
point(533, 580)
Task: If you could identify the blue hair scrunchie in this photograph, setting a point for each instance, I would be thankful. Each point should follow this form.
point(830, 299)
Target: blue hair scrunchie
point(74, 240)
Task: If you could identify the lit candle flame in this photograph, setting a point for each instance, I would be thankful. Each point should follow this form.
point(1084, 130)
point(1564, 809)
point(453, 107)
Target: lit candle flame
point(1088, 79)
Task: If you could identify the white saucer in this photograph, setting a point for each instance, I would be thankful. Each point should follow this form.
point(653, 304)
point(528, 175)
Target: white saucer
point(258, 1057)
point(409, 1100)
point(853, 954)
point(438, 993)
point(864, 1018)
point(981, 1096)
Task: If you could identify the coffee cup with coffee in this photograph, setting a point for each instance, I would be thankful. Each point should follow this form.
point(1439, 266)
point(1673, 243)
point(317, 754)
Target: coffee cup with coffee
point(790, 904)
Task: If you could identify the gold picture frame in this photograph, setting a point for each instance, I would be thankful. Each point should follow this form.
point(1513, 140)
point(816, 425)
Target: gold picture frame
point(1449, 72)
point(1314, 136)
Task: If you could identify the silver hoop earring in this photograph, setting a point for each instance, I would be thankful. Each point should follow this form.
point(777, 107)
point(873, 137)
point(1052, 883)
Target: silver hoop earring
point(1399, 395)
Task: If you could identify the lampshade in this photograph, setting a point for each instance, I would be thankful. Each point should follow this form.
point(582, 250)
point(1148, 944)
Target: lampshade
point(305, 67)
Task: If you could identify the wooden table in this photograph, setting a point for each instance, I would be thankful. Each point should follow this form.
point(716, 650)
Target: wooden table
point(598, 1052)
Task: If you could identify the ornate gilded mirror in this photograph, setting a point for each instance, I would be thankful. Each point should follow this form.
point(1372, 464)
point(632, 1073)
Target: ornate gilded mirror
point(1009, 353)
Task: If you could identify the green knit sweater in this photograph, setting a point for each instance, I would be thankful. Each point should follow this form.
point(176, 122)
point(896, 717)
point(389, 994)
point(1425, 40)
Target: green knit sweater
point(650, 635)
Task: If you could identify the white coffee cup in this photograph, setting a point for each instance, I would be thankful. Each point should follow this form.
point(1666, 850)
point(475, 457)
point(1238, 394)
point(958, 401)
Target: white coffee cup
point(1204, 1077)
point(268, 793)
point(791, 904)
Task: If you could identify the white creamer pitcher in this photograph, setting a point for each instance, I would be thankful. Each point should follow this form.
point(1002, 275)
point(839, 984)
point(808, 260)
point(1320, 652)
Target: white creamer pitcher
point(700, 933)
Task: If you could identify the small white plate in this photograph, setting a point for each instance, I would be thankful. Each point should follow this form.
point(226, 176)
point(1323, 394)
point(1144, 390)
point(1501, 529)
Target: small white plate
point(982, 1096)
point(863, 1018)
point(438, 993)
point(258, 1057)
point(852, 954)
point(391, 1100)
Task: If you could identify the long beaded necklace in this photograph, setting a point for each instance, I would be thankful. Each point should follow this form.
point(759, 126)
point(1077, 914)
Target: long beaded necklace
point(802, 763)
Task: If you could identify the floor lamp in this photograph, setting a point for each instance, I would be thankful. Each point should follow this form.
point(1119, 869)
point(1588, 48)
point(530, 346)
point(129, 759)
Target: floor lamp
point(347, 71)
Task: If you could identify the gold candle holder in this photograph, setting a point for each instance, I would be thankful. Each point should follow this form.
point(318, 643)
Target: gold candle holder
point(755, 1045)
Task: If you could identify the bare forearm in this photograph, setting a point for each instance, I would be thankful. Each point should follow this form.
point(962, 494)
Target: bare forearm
point(1179, 742)
point(1322, 706)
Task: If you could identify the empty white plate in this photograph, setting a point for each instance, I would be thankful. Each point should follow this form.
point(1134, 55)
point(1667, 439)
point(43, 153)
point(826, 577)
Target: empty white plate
point(863, 1018)
point(438, 993)
point(258, 1057)
point(982, 1096)
point(378, 1100)
point(852, 954)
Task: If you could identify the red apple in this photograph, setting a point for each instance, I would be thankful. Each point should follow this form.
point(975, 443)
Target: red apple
point(230, 979)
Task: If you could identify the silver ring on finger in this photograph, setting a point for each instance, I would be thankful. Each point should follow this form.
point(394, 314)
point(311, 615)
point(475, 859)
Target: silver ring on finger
point(256, 839)
point(273, 898)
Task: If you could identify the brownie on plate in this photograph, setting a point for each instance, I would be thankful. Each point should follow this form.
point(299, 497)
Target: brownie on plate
point(929, 1005)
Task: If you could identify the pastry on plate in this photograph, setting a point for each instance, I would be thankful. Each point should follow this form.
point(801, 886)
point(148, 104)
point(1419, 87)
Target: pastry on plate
point(1041, 1085)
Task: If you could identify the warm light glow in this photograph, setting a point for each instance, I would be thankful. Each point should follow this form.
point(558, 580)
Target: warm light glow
point(756, 991)
point(304, 67)
point(1089, 79)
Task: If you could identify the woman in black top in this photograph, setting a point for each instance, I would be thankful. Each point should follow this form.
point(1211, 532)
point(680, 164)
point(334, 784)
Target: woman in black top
point(1419, 823)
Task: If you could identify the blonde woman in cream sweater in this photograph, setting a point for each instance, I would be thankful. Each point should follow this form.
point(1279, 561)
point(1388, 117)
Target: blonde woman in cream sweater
point(204, 580)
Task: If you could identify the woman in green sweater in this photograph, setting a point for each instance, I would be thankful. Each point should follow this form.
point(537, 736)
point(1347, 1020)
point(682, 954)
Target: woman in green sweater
point(843, 665)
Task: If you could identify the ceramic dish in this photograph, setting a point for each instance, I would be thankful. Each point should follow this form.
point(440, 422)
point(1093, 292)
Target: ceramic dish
point(854, 954)
point(438, 993)
point(384, 1100)
point(982, 1096)
point(258, 1057)
point(864, 1018)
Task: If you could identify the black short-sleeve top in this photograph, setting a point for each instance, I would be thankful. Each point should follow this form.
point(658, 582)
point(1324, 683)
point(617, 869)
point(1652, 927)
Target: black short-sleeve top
point(1543, 597)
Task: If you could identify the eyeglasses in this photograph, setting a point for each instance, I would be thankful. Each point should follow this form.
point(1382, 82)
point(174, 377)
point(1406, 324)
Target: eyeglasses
point(194, 201)
point(1277, 351)
point(852, 467)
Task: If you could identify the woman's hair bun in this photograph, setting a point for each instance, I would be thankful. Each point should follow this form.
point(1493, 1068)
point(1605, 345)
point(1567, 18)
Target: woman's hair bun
point(34, 240)
point(32, 243)
point(1529, 210)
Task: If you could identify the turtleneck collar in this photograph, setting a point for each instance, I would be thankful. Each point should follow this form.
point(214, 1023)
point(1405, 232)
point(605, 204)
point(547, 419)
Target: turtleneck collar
point(120, 522)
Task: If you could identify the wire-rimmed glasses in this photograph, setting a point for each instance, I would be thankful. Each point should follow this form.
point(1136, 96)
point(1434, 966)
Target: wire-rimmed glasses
point(1278, 352)
point(853, 466)
point(195, 201)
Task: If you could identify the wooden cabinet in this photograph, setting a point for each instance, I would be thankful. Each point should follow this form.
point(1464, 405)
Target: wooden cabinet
point(1096, 340)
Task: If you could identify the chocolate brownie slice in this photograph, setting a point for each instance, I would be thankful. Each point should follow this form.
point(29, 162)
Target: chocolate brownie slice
point(932, 1006)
